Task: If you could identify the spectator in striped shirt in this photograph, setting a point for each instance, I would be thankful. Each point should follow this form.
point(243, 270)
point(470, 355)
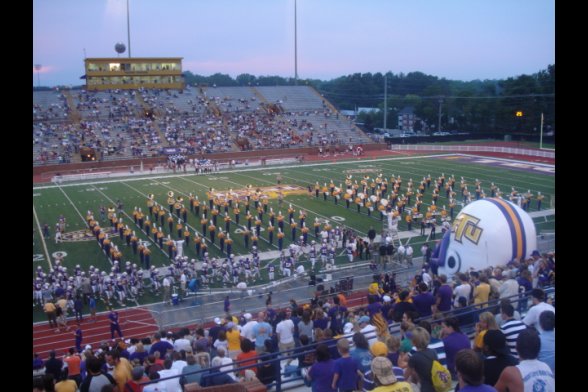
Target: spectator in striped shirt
point(510, 327)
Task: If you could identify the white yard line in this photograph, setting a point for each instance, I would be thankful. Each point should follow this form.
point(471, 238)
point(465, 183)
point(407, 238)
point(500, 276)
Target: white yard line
point(42, 238)
point(132, 220)
point(82, 217)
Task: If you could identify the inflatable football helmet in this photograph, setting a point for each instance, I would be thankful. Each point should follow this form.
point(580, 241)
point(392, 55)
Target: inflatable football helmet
point(487, 232)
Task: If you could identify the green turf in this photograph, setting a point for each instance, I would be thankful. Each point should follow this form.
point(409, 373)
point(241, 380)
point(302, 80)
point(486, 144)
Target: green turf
point(73, 201)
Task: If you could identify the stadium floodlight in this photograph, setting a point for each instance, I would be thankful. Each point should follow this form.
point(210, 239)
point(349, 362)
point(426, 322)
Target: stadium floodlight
point(38, 68)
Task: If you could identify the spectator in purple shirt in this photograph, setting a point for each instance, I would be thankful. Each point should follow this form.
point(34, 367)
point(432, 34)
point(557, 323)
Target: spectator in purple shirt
point(114, 324)
point(374, 305)
point(322, 372)
point(444, 295)
point(454, 341)
point(424, 300)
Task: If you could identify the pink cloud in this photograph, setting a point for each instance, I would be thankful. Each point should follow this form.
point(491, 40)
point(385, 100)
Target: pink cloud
point(45, 69)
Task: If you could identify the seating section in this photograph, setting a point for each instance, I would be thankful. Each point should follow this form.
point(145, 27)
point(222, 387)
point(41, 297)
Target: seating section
point(121, 124)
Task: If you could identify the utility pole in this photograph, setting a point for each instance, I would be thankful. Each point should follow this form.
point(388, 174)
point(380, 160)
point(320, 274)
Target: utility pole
point(295, 45)
point(541, 134)
point(128, 28)
point(38, 69)
point(440, 103)
point(385, 102)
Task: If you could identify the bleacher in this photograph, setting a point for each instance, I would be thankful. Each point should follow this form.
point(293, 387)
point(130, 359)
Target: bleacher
point(233, 99)
point(206, 120)
point(292, 98)
point(49, 106)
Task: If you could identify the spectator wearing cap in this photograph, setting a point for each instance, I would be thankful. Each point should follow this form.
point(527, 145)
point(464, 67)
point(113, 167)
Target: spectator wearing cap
point(510, 327)
point(538, 307)
point(380, 349)
point(168, 337)
point(387, 308)
point(247, 329)
point(454, 341)
point(384, 377)
point(470, 372)
point(233, 339)
point(547, 336)
point(497, 356)
point(367, 329)
point(214, 330)
point(530, 374)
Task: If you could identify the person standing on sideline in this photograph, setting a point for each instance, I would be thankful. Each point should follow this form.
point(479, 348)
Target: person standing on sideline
point(79, 335)
point(227, 304)
point(114, 323)
point(92, 305)
point(166, 290)
point(371, 234)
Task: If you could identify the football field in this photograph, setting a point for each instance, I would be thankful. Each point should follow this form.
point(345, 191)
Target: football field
point(74, 201)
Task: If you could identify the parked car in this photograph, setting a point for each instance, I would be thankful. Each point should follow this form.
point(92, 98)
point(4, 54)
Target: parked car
point(407, 134)
point(441, 133)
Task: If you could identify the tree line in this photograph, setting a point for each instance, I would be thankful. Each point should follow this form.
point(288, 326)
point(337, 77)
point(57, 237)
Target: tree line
point(472, 106)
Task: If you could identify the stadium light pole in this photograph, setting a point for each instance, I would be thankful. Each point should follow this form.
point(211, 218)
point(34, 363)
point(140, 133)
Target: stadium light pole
point(385, 102)
point(295, 45)
point(128, 28)
point(541, 133)
point(440, 103)
point(38, 69)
